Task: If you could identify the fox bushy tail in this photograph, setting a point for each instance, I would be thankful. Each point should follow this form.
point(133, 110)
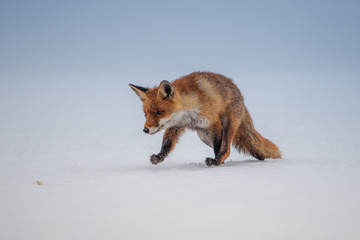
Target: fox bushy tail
point(249, 141)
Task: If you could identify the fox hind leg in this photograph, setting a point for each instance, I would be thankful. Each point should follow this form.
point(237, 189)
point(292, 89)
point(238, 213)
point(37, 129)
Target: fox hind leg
point(228, 136)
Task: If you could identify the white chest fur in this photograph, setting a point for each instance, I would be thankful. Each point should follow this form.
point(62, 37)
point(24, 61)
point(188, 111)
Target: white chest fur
point(188, 118)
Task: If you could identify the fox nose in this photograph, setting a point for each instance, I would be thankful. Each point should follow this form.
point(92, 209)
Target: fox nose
point(146, 130)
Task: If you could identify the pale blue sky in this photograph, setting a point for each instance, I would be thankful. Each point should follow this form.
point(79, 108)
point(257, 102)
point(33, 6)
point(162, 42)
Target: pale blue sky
point(65, 38)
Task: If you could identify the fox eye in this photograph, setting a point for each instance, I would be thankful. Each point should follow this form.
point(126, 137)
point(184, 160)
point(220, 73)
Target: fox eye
point(159, 112)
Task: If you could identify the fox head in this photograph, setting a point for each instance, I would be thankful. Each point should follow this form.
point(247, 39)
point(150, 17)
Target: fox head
point(159, 104)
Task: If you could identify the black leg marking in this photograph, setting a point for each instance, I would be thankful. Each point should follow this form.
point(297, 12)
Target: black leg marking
point(165, 148)
point(169, 140)
point(156, 158)
point(217, 141)
point(211, 161)
point(217, 145)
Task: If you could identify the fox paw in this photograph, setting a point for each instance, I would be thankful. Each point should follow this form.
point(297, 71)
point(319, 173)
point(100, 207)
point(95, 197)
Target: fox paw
point(211, 161)
point(155, 159)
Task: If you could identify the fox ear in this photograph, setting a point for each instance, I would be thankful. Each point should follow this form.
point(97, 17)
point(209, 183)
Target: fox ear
point(140, 91)
point(165, 90)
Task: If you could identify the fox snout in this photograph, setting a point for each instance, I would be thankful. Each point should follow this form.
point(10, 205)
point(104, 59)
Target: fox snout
point(146, 130)
point(151, 125)
point(151, 130)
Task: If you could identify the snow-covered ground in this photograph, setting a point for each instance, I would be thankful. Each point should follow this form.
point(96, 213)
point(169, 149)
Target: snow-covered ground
point(74, 164)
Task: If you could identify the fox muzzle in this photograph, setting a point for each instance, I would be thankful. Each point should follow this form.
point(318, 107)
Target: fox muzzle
point(146, 130)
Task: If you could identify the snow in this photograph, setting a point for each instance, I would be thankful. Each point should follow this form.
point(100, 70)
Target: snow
point(74, 164)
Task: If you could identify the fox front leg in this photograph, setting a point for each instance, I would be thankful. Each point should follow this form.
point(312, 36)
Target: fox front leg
point(215, 140)
point(216, 145)
point(171, 136)
point(222, 144)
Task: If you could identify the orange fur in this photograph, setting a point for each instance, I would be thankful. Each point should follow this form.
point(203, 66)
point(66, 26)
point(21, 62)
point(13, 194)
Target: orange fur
point(212, 105)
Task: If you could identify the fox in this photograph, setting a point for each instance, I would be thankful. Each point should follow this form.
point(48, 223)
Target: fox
point(208, 103)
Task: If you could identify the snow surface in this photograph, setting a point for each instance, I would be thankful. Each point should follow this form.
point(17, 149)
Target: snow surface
point(74, 164)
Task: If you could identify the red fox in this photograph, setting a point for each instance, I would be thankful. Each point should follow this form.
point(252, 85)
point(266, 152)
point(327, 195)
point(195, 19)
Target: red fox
point(208, 103)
